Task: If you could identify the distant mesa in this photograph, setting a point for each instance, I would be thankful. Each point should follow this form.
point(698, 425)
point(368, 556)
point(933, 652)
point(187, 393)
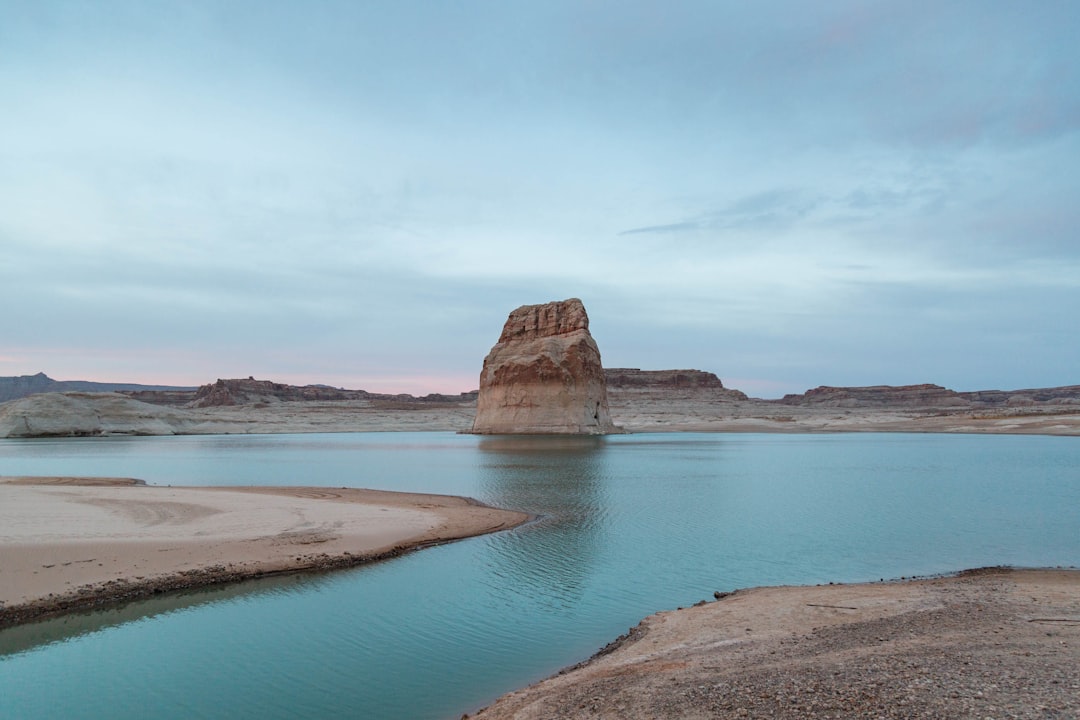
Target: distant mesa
point(929, 396)
point(671, 382)
point(227, 393)
point(246, 392)
point(544, 376)
point(20, 386)
point(636, 377)
point(925, 395)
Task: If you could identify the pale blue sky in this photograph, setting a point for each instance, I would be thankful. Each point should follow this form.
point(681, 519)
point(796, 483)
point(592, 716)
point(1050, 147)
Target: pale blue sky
point(787, 194)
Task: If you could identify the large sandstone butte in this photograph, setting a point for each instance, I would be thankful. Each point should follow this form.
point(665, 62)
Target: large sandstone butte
point(544, 375)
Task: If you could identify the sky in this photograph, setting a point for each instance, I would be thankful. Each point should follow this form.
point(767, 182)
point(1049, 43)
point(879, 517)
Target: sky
point(787, 194)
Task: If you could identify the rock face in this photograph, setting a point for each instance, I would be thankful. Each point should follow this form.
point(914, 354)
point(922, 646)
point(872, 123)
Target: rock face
point(230, 393)
point(653, 398)
point(898, 396)
point(83, 414)
point(678, 382)
point(225, 393)
point(544, 375)
point(926, 397)
point(636, 377)
point(1067, 395)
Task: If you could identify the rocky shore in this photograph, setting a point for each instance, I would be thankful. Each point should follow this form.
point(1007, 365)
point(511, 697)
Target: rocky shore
point(991, 643)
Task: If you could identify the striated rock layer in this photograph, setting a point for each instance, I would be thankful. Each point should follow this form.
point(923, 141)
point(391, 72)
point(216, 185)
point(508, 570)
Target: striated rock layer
point(900, 396)
point(224, 393)
point(637, 378)
point(82, 414)
point(544, 375)
point(929, 396)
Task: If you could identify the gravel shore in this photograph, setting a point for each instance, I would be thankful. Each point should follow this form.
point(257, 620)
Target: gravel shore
point(992, 643)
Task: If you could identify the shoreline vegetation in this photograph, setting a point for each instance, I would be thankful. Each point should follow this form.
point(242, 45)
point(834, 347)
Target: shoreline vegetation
point(76, 544)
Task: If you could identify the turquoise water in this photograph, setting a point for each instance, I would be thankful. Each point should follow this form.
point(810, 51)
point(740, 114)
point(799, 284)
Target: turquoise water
point(628, 525)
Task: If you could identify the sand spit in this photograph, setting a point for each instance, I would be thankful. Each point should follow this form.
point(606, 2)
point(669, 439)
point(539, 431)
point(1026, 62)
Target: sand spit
point(70, 544)
point(989, 643)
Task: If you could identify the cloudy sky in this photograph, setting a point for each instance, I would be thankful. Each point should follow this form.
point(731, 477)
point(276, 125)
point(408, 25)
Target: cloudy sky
point(788, 194)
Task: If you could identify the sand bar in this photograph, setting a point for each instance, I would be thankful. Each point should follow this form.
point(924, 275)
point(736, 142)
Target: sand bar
point(992, 643)
point(74, 543)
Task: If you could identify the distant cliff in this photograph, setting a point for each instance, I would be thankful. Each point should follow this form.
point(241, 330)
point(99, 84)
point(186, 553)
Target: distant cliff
point(20, 386)
point(226, 393)
point(251, 391)
point(680, 383)
point(75, 414)
point(929, 396)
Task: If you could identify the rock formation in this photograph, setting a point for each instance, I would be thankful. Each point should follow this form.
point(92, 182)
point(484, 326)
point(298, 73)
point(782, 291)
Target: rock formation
point(85, 414)
point(636, 377)
point(632, 382)
point(230, 393)
point(928, 397)
point(898, 396)
point(651, 398)
point(226, 393)
point(1066, 395)
point(544, 375)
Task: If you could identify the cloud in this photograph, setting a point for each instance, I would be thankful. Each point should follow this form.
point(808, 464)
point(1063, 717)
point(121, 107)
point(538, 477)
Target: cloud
point(375, 186)
point(670, 228)
point(771, 210)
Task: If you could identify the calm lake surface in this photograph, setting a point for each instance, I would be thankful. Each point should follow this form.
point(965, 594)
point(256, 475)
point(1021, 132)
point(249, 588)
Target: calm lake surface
point(629, 525)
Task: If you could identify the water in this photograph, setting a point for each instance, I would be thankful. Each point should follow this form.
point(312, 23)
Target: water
point(628, 525)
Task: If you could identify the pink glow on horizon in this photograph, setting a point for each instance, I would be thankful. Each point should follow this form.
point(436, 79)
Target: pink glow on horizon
point(418, 385)
point(72, 363)
point(763, 389)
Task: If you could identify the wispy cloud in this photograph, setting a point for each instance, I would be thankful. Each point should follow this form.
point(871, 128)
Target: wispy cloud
point(671, 228)
point(762, 211)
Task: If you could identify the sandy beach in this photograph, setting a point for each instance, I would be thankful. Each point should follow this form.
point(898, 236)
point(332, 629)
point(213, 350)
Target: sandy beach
point(992, 643)
point(74, 543)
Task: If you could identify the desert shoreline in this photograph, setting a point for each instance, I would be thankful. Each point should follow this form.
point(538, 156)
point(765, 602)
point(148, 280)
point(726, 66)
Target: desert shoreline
point(80, 414)
point(989, 642)
point(70, 544)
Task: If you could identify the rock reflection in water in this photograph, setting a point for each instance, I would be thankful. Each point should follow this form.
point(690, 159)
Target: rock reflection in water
point(562, 480)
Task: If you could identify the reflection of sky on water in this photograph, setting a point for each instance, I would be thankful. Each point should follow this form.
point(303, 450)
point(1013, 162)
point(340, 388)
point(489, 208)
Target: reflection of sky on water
point(561, 480)
point(629, 525)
